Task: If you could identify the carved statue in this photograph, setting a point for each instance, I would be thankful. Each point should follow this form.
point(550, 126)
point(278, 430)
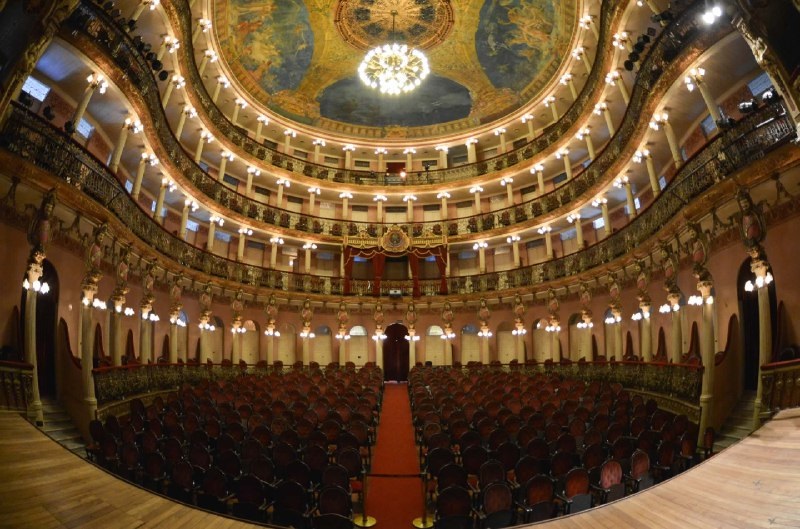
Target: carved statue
point(39, 231)
point(552, 303)
point(698, 251)
point(751, 220)
point(519, 308)
point(483, 312)
point(411, 315)
point(342, 316)
point(271, 309)
point(377, 315)
point(237, 305)
point(205, 300)
point(123, 269)
point(447, 314)
point(94, 254)
point(306, 313)
point(585, 296)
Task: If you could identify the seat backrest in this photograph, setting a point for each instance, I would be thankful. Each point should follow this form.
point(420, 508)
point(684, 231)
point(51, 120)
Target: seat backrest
point(492, 471)
point(538, 489)
point(334, 499)
point(451, 474)
point(453, 501)
point(640, 464)
point(610, 474)
point(576, 482)
point(497, 497)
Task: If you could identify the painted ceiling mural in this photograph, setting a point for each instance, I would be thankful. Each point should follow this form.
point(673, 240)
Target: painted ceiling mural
point(299, 58)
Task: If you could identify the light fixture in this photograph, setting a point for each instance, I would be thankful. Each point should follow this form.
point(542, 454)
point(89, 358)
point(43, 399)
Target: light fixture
point(216, 218)
point(499, 131)
point(601, 107)
point(314, 190)
point(283, 182)
point(381, 150)
point(414, 338)
point(309, 246)
point(611, 320)
point(409, 150)
point(264, 120)
point(98, 304)
point(443, 194)
point(519, 332)
point(480, 245)
point(272, 332)
point(471, 141)
point(393, 68)
point(578, 52)
point(341, 335)
point(599, 201)
point(544, 229)
point(659, 119)
point(253, 171)
point(512, 239)
point(346, 194)
point(526, 118)
point(409, 198)
point(585, 21)
point(620, 40)
point(378, 336)
point(612, 77)
point(349, 147)
point(130, 312)
point(553, 328)
point(173, 44)
point(290, 132)
point(205, 326)
point(379, 198)
point(621, 181)
point(37, 286)
point(98, 82)
point(211, 54)
point(135, 126)
point(476, 189)
point(640, 155)
point(582, 133)
point(538, 168)
point(306, 334)
point(585, 325)
point(636, 316)
point(549, 100)
point(695, 301)
point(665, 308)
point(206, 136)
point(562, 153)
point(711, 15)
point(245, 231)
point(238, 330)
point(204, 23)
point(276, 240)
point(227, 155)
point(760, 282)
point(695, 76)
point(572, 217)
point(506, 180)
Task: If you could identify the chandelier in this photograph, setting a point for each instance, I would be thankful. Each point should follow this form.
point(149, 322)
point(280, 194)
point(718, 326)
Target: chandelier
point(394, 68)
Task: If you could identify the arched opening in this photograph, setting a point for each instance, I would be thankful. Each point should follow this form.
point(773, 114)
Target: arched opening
point(748, 317)
point(46, 321)
point(357, 346)
point(250, 342)
point(435, 346)
point(183, 336)
point(470, 344)
point(395, 353)
point(541, 341)
point(322, 346)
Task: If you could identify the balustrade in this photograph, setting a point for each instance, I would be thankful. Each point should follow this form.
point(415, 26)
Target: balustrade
point(16, 385)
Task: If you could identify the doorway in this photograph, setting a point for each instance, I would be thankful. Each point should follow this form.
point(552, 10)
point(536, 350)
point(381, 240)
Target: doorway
point(395, 353)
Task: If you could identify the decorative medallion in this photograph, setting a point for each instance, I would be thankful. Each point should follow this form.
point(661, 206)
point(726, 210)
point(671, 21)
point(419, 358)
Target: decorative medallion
point(422, 24)
point(395, 240)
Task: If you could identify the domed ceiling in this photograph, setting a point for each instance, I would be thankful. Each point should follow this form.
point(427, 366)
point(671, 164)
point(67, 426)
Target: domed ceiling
point(299, 59)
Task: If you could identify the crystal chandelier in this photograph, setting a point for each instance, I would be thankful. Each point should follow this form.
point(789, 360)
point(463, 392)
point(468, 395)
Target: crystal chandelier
point(394, 68)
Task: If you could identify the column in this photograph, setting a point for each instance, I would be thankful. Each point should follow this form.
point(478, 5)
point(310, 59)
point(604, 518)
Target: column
point(760, 268)
point(472, 156)
point(443, 196)
point(676, 332)
point(203, 25)
point(173, 338)
point(513, 240)
point(661, 120)
point(575, 218)
point(409, 152)
point(566, 80)
point(152, 4)
point(708, 354)
point(251, 173)
point(307, 257)
point(476, 191)
point(484, 335)
point(443, 150)
point(145, 334)
point(318, 145)
point(645, 327)
point(177, 82)
point(583, 135)
point(539, 170)
point(519, 343)
point(507, 182)
point(261, 120)
point(695, 79)
point(550, 102)
point(580, 53)
point(143, 162)
point(602, 108)
point(115, 339)
point(239, 104)
point(618, 347)
point(379, 200)
point(527, 120)
point(587, 22)
point(563, 154)
point(209, 56)
point(644, 154)
point(481, 246)
point(236, 342)
point(244, 232)
point(274, 241)
point(96, 83)
point(602, 202)
point(271, 333)
point(129, 126)
point(159, 214)
point(345, 196)
point(33, 274)
point(222, 82)
point(312, 195)
point(615, 78)
point(205, 137)
point(187, 112)
point(555, 343)
point(623, 182)
point(225, 157)
point(206, 329)
point(212, 226)
point(501, 133)
point(85, 346)
point(288, 134)
point(412, 349)
point(548, 240)
point(409, 200)
point(282, 182)
point(381, 152)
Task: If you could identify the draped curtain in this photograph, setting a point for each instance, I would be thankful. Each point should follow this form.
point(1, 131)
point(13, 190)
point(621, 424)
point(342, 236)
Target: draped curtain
point(378, 256)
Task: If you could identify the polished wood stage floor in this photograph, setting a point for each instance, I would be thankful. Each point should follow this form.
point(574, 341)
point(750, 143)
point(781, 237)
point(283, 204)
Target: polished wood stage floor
point(755, 483)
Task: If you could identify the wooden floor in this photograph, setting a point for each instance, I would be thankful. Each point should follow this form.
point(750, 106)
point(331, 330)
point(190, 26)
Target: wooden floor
point(755, 483)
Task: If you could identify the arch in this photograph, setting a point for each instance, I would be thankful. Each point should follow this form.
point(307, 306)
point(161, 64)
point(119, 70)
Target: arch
point(46, 325)
point(358, 330)
point(130, 349)
point(576, 338)
point(396, 349)
point(434, 330)
point(609, 335)
point(251, 342)
point(99, 357)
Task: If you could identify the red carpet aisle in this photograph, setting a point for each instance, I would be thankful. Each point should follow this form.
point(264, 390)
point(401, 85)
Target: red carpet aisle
point(395, 502)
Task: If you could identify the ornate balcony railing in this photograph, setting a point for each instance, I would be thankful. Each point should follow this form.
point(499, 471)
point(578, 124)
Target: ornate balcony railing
point(34, 139)
point(781, 386)
point(16, 385)
point(94, 22)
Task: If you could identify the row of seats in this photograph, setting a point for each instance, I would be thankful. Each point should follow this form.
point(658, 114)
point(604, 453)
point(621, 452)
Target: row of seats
point(285, 448)
point(538, 445)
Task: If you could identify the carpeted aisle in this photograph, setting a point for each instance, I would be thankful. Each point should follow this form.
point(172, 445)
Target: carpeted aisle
point(396, 501)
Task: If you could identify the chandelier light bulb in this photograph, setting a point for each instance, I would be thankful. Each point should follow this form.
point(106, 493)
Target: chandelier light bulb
point(393, 68)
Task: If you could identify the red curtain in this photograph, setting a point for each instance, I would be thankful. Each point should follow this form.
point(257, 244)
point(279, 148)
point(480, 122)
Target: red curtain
point(413, 262)
point(378, 257)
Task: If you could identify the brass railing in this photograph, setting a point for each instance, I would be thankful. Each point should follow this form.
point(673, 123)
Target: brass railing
point(16, 385)
point(781, 386)
point(93, 22)
point(33, 139)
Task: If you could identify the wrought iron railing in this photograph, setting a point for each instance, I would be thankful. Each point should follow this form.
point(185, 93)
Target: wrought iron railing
point(33, 139)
